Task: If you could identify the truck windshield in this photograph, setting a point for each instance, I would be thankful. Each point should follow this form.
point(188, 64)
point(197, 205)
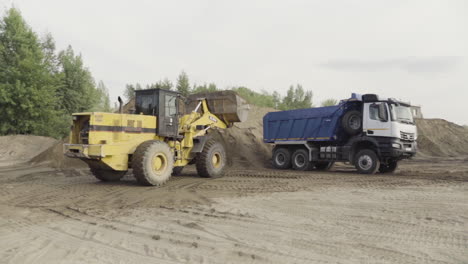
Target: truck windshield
point(401, 114)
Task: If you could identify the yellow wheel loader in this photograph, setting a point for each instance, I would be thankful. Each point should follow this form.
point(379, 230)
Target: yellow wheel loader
point(164, 133)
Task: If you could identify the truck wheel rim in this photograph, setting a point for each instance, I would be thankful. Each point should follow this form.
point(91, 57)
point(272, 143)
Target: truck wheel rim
point(216, 159)
point(365, 162)
point(280, 159)
point(354, 122)
point(159, 163)
point(299, 160)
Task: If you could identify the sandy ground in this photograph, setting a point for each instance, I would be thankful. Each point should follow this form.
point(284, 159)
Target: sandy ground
point(418, 215)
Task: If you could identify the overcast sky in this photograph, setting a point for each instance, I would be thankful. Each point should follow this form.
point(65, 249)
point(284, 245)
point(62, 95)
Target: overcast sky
point(416, 51)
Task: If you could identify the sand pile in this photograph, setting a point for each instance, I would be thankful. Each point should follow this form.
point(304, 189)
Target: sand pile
point(245, 141)
point(438, 137)
point(21, 148)
point(54, 157)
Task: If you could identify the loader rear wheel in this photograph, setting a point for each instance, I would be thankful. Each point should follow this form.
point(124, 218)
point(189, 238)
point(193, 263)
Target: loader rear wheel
point(152, 163)
point(211, 162)
point(107, 175)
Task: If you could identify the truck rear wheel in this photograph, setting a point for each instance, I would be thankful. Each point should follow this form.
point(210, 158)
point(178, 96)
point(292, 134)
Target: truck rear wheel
point(389, 167)
point(107, 175)
point(324, 165)
point(366, 161)
point(211, 162)
point(281, 158)
point(152, 163)
point(300, 160)
point(352, 122)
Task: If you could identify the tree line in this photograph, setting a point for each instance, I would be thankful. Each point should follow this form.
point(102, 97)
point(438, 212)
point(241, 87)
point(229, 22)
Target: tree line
point(40, 87)
point(296, 97)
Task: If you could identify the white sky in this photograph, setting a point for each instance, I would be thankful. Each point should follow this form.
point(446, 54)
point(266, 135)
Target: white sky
point(416, 51)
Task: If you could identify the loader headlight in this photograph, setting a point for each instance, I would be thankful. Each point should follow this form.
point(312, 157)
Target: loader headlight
point(396, 145)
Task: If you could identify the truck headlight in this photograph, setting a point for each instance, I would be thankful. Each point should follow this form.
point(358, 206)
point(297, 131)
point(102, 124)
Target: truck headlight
point(396, 145)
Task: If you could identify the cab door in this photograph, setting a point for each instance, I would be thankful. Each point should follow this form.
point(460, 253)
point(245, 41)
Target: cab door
point(376, 119)
point(168, 119)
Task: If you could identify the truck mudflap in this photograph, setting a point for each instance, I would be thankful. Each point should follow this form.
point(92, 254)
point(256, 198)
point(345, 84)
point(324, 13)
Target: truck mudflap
point(83, 151)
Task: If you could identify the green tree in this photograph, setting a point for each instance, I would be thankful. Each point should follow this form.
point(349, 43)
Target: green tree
point(329, 102)
point(183, 84)
point(103, 96)
point(164, 84)
point(204, 88)
point(27, 85)
point(77, 91)
point(129, 92)
point(296, 98)
point(263, 99)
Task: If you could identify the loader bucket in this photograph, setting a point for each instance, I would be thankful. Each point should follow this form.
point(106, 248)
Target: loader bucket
point(226, 105)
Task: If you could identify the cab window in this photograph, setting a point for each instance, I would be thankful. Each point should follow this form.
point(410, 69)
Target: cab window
point(378, 112)
point(171, 105)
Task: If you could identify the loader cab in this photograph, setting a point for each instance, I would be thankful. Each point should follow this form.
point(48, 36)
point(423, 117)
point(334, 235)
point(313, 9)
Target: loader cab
point(165, 105)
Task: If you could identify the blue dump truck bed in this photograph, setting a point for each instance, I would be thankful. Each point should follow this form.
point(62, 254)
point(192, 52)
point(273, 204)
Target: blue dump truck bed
point(311, 124)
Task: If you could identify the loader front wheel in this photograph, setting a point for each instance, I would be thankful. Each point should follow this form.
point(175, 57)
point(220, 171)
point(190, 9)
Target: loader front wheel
point(211, 162)
point(107, 175)
point(152, 163)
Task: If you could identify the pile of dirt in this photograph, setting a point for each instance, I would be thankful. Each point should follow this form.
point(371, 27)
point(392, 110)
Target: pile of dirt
point(245, 141)
point(54, 157)
point(22, 148)
point(438, 137)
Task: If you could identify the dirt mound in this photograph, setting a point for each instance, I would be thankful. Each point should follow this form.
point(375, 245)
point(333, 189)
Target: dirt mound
point(54, 157)
point(438, 137)
point(245, 141)
point(21, 148)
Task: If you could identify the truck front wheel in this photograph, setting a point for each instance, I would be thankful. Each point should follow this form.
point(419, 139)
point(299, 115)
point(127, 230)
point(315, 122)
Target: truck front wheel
point(366, 161)
point(300, 160)
point(389, 167)
point(281, 158)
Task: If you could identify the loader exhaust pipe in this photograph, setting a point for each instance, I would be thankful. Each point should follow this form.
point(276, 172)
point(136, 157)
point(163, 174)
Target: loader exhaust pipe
point(120, 105)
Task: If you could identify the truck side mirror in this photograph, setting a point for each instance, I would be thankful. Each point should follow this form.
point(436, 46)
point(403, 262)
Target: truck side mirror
point(383, 116)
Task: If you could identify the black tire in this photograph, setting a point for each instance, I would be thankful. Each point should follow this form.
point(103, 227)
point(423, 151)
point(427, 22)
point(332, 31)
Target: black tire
point(389, 167)
point(152, 163)
point(366, 161)
point(212, 161)
point(177, 171)
point(300, 160)
point(352, 122)
point(324, 165)
point(281, 158)
point(107, 175)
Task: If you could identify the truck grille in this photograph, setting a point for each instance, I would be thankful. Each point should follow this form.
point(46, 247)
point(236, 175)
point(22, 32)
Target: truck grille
point(407, 136)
